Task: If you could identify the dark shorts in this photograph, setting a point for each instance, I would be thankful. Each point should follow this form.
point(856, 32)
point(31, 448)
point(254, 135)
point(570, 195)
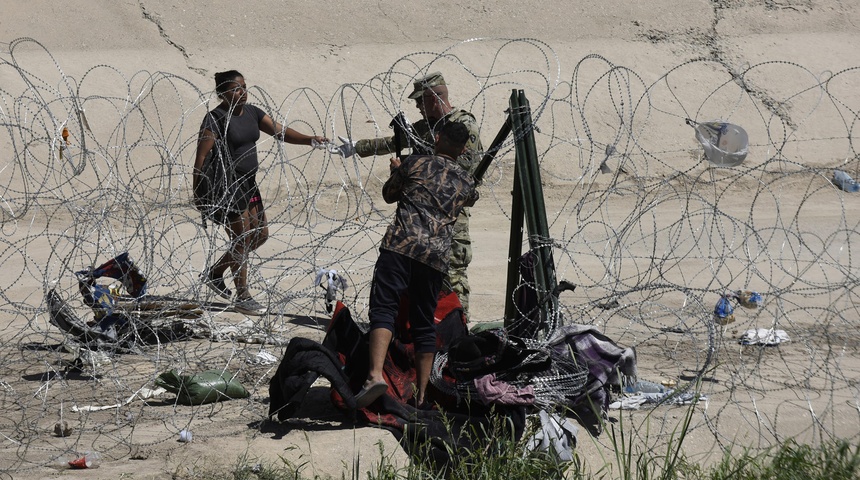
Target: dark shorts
point(243, 194)
point(394, 275)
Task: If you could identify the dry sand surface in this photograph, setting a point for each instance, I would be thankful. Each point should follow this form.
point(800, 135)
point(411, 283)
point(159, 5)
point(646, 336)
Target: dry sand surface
point(664, 234)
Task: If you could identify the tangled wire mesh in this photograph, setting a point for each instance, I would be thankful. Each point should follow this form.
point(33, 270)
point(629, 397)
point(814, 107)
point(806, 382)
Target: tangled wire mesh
point(650, 232)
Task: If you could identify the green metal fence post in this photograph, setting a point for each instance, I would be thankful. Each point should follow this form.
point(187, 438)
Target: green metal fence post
point(528, 202)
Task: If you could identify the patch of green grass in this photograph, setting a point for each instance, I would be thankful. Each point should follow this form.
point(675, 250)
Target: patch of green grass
point(244, 468)
point(834, 460)
point(498, 456)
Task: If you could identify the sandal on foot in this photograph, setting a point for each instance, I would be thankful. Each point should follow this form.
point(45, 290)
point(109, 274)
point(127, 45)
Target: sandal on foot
point(369, 393)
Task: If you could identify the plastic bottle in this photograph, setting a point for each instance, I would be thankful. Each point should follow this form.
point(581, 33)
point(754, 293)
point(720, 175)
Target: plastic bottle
point(845, 182)
point(644, 386)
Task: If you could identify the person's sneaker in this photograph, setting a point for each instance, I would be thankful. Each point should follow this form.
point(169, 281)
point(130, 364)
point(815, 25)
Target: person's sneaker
point(217, 285)
point(249, 306)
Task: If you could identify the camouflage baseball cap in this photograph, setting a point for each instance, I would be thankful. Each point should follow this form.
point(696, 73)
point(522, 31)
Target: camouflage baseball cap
point(431, 80)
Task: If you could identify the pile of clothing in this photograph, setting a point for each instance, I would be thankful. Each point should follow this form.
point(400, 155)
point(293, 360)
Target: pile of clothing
point(480, 381)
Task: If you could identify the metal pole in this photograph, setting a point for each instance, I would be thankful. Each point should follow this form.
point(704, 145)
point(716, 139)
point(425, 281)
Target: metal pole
point(539, 238)
point(528, 202)
point(491, 152)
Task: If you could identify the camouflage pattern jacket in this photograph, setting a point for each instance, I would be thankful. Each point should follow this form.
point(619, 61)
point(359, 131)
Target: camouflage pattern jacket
point(468, 161)
point(430, 191)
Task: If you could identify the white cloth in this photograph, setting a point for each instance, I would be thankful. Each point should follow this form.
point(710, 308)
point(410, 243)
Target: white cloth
point(634, 402)
point(557, 435)
point(331, 281)
point(764, 336)
point(262, 358)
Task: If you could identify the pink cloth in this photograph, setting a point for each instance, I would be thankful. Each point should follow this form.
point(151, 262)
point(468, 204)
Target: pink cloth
point(492, 390)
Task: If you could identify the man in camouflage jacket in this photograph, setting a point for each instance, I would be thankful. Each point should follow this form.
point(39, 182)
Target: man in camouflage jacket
point(430, 191)
point(431, 96)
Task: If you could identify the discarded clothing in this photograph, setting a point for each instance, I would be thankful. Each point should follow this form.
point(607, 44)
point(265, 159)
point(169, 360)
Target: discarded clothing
point(102, 298)
point(302, 364)
point(121, 268)
point(331, 282)
point(764, 336)
point(669, 397)
point(609, 367)
point(556, 377)
point(494, 351)
point(557, 436)
point(430, 435)
point(62, 316)
point(115, 336)
point(262, 358)
point(121, 320)
point(492, 390)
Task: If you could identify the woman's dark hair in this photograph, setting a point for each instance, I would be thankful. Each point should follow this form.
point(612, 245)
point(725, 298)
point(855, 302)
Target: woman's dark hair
point(224, 79)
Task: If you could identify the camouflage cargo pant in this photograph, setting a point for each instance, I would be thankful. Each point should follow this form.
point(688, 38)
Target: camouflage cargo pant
point(456, 279)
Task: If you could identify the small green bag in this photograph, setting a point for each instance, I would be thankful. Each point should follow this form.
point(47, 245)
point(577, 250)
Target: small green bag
point(207, 387)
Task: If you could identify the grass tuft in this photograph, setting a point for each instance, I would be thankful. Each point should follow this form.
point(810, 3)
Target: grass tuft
point(496, 455)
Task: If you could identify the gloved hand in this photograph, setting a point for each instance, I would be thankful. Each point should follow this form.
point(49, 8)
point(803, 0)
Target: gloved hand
point(345, 149)
point(320, 143)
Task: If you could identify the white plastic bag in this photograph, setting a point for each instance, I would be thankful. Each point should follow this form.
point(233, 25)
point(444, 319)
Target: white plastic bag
point(725, 144)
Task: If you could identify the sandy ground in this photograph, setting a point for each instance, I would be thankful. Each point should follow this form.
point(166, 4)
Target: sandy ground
point(806, 389)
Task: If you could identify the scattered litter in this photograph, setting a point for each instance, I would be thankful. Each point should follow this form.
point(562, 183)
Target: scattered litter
point(845, 182)
point(764, 336)
point(262, 358)
point(96, 359)
point(669, 397)
point(185, 436)
point(725, 144)
point(62, 429)
point(88, 460)
point(644, 386)
point(331, 281)
point(245, 332)
point(748, 299)
point(143, 394)
point(724, 311)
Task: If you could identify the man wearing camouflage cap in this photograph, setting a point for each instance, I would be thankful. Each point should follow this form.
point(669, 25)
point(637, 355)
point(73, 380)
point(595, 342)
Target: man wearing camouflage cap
point(431, 98)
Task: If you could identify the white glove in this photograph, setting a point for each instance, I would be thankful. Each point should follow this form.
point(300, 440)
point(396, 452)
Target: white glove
point(319, 145)
point(346, 149)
